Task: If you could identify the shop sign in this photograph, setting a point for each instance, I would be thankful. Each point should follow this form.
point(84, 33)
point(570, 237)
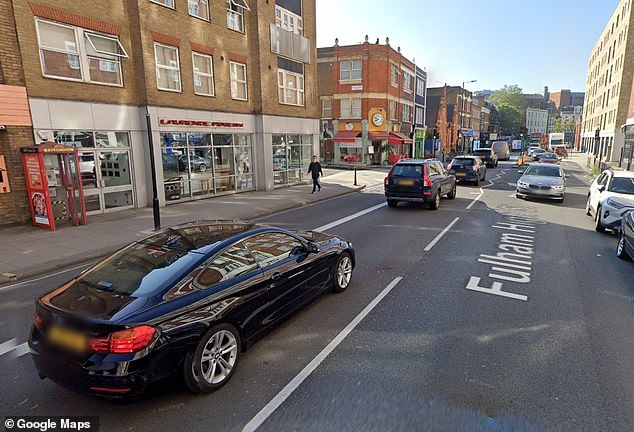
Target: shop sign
point(215, 124)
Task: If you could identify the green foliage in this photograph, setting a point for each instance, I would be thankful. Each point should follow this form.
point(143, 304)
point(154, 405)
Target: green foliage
point(563, 126)
point(510, 119)
point(510, 95)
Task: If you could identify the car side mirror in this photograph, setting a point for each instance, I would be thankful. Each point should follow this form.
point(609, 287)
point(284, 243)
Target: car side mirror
point(601, 188)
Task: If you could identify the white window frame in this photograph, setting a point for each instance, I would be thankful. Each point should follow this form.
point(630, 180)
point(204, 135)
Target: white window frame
point(393, 110)
point(235, 80)
point(288, 21)
point(290, 93)
point(173, 69)
point(407, 82)
point(235, 15)
point(407, 113)
point(166, 3)
point(193, 7)
point(348, 66)
point(393, 74)
point(80, 51)
point(326, 108)
point(420, 87)
point(198, 75)
point(352, 107)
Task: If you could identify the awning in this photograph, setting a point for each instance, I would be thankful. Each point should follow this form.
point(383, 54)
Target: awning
point(346, 136)
point(399, 138)
point(378, 136)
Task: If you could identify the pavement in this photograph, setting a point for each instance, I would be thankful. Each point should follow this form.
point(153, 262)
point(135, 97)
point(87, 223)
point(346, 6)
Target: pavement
point(27, 251)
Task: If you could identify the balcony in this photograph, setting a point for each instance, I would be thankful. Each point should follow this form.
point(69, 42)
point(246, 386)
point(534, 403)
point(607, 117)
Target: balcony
point(290, 45)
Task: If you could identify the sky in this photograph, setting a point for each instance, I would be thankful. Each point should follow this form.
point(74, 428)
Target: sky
point(533, 43)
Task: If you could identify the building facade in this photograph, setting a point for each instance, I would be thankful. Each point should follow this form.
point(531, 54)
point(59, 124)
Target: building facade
point(536, 120)
point(368, 95)
point(608, 87)
point(223, 93)
point(457, 116)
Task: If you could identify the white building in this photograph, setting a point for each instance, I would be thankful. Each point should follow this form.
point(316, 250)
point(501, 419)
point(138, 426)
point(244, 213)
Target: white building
point(536, 120)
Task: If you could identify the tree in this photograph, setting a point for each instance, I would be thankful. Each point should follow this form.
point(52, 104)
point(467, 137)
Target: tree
point(564, 125)
point(510, 119)
point(512, 96)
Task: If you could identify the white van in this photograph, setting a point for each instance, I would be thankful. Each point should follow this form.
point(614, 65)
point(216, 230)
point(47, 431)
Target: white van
point(501, 149)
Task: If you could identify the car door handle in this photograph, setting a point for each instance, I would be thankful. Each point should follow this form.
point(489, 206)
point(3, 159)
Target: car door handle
point(276, 276)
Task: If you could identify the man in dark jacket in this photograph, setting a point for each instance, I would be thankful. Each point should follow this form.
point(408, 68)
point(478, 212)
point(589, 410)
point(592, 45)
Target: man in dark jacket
point(315, 170)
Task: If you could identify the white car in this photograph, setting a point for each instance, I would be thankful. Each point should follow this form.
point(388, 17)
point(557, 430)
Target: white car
point(531, 149)
point(610, 196)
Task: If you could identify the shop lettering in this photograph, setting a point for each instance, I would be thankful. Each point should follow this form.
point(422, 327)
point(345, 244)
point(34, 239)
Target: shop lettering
point(201, 123)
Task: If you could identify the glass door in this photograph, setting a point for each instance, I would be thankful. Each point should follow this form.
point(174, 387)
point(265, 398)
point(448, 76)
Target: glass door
point(115, 179)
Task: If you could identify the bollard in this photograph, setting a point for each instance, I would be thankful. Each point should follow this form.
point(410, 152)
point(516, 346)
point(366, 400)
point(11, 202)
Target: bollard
point(355, 176)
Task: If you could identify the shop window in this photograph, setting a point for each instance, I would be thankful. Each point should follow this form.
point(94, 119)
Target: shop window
point(350, 70)
point(199, 9)
point(168, 76)
point(238, 81)
point(235, 14)
point(73, 53)
point(350, 108)
point(203, 74)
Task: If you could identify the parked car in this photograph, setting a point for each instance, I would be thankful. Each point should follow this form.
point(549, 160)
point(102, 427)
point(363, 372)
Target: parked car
point(419, 181)
point(487, 155)
point(196, 163)
point(468, 168)
point(186, 301)
point(531, 149)
point(541, 180)
point(502, 150)
point(625, 235)
point(537, 153)
point(609, 184)
point(548, 157)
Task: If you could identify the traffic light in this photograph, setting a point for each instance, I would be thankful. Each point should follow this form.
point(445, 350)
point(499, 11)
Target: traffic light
point(435, 134)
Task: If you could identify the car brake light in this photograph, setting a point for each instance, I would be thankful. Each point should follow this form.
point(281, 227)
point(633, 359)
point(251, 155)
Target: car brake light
point(427, 180)
point(38, 320)
point(387, 178)
point(124, 341)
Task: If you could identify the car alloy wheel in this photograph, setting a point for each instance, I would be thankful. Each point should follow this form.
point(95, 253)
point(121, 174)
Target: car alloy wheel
point(202, 167)
point(588, 206)
point(452, 195)
point(620, 247)
point(212, 363)
point(343, 273)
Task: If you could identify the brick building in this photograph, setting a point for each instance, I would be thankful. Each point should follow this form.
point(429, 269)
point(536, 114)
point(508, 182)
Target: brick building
point(367, 94)
point(229, 88)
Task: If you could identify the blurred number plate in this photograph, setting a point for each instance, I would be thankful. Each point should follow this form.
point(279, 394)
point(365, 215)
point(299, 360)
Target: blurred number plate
point(460, 174)
point(67, 338)
point(406, 183)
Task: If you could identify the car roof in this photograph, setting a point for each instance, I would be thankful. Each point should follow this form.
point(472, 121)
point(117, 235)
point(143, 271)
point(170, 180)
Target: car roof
point(466, 157)
point(416, 161)
point(628, 174)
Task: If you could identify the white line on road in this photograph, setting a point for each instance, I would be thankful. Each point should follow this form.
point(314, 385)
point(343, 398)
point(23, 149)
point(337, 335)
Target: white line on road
point(269, 408)
point(7, 346)
point(475, 199)
point(48, 275)
point(439, 236)
point(349, 218)
point(16, 350)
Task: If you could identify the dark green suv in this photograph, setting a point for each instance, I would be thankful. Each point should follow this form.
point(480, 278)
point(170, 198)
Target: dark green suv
point(419, 181)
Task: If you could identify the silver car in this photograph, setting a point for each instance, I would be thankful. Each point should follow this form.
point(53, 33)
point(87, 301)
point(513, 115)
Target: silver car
point(542, 180)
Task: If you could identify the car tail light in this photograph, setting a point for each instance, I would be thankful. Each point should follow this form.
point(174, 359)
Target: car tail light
point(427, 182)
point(124, 341)
point(387, 178)
point(38, 320)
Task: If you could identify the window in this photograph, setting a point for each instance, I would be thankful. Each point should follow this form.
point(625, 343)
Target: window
point(350, 70)
point(394, 75)
point(235, 12)
point(168, 74)
point(326, 108)
point(272, 247)
point(291, 87)
point(407, 82)
point(420, 87)
point(199, 8)
point(203, 74)
point(238, 81)
point(351, 108)
point(73, 53)
point(232, 262)
point(288, 21)
point(407, 113)
point(168, 3)
point(392, 110)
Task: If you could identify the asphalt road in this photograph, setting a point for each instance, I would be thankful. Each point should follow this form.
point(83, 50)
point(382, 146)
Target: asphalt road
point(427, 337)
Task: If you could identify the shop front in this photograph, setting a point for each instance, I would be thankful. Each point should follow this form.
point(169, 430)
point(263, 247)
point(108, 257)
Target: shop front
point(349, 146)
point(292, 154)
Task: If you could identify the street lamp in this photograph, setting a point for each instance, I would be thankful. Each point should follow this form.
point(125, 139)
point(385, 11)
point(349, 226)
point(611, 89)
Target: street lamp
point(462, 109)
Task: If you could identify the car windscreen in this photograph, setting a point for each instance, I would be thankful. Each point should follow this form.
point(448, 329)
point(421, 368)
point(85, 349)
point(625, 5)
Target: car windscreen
point(484, 152)
point(462, 161)
point(623, 185)
point(548, 171)
point(549, 156)
point(408, 170)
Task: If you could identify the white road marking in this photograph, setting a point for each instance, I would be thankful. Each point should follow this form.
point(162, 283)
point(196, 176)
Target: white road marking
point(12, 347)
point(7, 346)
point(270, 407)
point(22, 349)
point(475, 199)
point(15, 285)
point(349, 218)
point(439, 236)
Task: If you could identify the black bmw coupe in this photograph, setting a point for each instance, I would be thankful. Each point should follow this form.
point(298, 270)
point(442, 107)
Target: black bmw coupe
point(187, 300)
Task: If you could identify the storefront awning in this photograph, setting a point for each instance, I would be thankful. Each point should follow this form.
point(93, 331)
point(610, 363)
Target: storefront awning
point(346, 136)
point(378, 136)
point(399, 138)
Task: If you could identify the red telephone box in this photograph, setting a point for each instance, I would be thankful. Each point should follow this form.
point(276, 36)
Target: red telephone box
point(52, 170)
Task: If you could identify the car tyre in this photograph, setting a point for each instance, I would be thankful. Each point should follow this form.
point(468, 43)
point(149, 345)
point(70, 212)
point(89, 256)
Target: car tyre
point(436, 202)
point(588, 206)
point(202, 167)
point(342, 273)
point(452, 195)
point(212, 363)
point(598, 226)
point(391, 203)
point(620, 247)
